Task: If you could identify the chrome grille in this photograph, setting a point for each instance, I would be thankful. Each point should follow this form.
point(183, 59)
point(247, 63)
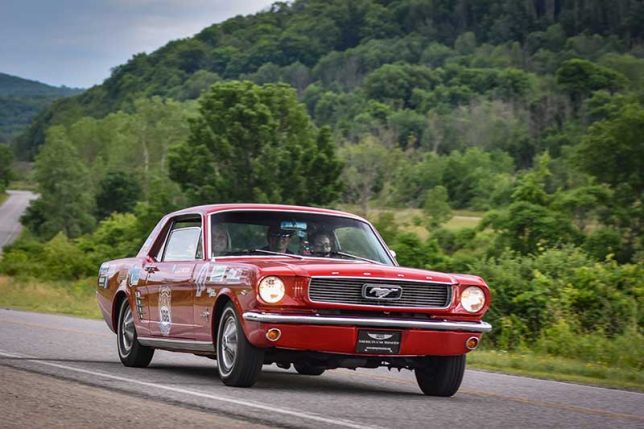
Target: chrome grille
point(342, 290)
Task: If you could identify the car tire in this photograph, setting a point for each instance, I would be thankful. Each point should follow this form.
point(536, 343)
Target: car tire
point(131, 352)
point(238, 361)
point(308, 369)
point(440, 375)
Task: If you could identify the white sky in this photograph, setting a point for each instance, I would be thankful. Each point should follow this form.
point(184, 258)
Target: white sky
point(76, 42)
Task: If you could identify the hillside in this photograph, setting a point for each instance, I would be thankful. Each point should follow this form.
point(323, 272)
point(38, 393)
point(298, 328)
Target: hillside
point(328, 49)
point(22, 99)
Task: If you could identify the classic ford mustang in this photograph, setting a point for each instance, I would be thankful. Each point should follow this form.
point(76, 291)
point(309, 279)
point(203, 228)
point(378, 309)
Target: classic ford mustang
point(253, 284)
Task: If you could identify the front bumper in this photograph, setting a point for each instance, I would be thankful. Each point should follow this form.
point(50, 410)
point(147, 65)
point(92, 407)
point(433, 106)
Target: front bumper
point(340, 334)
point(431, 325)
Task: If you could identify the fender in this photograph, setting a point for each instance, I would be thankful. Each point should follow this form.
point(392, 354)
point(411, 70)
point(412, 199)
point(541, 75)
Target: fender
point(251, 329)
point(122, 290)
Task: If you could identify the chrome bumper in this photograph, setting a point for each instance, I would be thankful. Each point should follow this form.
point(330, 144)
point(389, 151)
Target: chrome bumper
point(438, 325)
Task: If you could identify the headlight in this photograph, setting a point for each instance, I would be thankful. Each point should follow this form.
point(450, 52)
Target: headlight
point(271, 289)
point(473, 299)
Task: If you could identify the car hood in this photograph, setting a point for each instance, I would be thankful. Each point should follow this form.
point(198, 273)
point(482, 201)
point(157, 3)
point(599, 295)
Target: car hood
point(318, 267)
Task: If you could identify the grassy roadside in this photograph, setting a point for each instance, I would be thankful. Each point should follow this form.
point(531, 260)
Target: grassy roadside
point(3, 197)
point(23, 185)
point(76, 299)
point(548, 367)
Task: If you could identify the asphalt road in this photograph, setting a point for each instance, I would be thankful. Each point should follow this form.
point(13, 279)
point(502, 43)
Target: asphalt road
point(10, 212)
point(82, 354)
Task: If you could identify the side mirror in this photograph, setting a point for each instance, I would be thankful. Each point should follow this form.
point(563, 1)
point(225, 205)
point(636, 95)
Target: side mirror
point(393, 253)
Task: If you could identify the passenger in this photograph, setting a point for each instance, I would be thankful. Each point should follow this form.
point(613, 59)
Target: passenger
point(220, 240)
point(322, 244)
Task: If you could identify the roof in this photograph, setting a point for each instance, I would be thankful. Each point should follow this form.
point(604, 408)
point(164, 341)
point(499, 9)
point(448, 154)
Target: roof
point(214, 208)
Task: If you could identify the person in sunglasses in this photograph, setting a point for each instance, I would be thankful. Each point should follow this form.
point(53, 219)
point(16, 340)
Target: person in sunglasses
point(278, 239)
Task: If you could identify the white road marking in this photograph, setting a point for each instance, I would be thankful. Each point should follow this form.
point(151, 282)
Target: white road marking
point(269, 408)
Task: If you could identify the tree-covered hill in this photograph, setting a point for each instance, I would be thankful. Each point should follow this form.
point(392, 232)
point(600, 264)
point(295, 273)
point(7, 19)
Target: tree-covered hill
point(347, 57)
point(21, 100)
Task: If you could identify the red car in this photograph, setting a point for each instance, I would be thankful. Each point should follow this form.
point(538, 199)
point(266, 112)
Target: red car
point(254, 284)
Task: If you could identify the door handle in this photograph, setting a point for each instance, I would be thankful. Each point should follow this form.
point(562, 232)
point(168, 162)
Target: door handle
point(151, 269)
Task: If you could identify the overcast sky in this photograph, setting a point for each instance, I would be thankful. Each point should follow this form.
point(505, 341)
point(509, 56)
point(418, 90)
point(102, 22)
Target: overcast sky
point(77, 42)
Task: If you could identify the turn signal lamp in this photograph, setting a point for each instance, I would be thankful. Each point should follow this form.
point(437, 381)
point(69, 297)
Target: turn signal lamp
point(273, 334)
point(471, 343)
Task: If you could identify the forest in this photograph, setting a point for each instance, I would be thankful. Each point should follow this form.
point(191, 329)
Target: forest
point(21, 100)
point(527, 112)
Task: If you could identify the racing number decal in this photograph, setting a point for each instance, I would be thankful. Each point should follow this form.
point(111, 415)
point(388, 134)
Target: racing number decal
point(165, 310)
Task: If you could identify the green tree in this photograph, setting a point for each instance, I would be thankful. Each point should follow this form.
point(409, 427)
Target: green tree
point(118, 193)
point(66, 202)
point(613, 149)
point(437, 207)
point(581, 77)
point(368, 165)
point(6, 158)
point(255, 143)
point(394, 83)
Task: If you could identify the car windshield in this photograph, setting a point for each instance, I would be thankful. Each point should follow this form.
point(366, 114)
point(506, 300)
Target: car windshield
point(294, 234)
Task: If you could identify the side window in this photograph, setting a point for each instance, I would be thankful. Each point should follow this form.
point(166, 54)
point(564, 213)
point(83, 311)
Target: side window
point(183, 244)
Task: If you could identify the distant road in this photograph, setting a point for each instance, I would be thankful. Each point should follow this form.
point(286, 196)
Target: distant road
point(10, 212)
point(64, 372)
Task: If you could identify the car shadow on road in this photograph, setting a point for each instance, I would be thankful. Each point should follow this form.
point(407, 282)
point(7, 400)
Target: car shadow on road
point(275, 380)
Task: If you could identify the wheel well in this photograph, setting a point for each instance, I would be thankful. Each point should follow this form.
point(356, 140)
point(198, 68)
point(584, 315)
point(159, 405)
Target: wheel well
point(120, 296)
point(216, 314)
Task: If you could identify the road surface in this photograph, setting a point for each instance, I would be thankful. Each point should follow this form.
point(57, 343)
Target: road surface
point(78, 359)
point(10, 212)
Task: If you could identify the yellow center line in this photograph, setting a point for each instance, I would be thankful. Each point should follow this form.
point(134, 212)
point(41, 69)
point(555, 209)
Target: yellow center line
point(521, 400)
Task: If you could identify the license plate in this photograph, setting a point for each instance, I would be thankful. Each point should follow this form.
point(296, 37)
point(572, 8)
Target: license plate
point(378, 342)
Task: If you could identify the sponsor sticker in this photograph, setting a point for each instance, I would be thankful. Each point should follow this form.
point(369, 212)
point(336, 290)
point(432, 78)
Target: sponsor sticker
point(134, 275)
point(217, 273)
point(182, 269)
point(103, 275)
point(233, 274)
point(200, 281)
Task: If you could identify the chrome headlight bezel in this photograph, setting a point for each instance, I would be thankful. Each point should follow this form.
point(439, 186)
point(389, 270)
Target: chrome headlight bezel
point(271, 289)
point(473, 299)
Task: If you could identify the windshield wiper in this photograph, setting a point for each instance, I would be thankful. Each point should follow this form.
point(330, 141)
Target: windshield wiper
point(360, 258)
point(267, 252)
point(270, 252)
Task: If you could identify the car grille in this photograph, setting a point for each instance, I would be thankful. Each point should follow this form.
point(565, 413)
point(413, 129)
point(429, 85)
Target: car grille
point(339, 290)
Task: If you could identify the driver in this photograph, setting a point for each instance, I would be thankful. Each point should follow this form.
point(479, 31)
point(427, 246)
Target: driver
point(278, 239)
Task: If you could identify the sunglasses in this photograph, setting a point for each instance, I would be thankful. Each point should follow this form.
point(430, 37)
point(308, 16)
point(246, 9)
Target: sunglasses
point(281, 234)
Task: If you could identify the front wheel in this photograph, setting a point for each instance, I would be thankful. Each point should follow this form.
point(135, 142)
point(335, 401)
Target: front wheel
point(440, 375)
point(131, 352)
point(238, 361)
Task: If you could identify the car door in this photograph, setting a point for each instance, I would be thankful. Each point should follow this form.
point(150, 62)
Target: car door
point(169, 281)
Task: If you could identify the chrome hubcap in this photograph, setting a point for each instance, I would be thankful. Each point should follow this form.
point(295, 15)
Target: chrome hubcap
point(127, 331)
point(229, 343)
